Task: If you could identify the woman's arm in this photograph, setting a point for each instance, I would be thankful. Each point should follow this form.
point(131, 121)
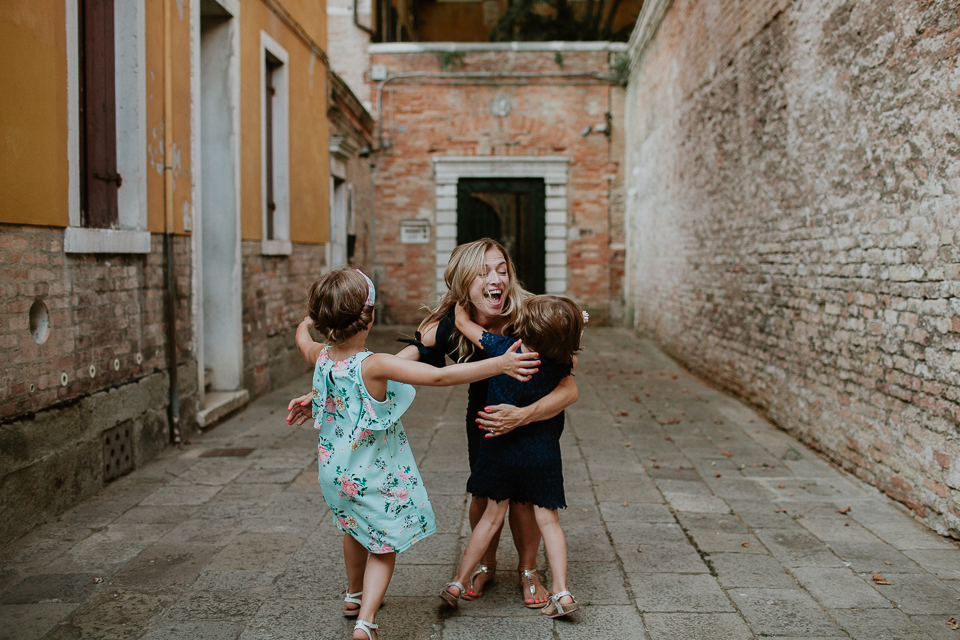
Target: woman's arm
point(299, 410)
point(503, 418)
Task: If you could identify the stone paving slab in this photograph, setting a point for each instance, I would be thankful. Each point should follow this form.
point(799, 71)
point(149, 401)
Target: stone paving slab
point(689, 516)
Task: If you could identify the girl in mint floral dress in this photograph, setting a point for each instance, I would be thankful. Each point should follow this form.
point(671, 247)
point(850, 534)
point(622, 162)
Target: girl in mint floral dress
point(368, 474)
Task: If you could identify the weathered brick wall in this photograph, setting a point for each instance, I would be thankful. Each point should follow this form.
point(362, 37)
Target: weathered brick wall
point(107, 335)
point(423, 118)
point(274, 290)
point(792, 177)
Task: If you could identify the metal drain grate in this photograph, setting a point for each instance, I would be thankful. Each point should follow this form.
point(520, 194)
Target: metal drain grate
point(235, 452)
point(117, 451)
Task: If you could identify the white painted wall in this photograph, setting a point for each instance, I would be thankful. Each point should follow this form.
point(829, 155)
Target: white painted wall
point(219, 228)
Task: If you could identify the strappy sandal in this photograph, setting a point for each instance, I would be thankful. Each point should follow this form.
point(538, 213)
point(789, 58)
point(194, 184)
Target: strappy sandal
point(365, 626)
point(556, 609)
point(527, 584)
point(448, 597)
point(352, 598)
point(488, 570)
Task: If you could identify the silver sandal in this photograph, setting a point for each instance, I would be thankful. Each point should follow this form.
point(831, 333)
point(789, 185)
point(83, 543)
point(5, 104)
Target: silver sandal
point(529, 575)
point(448, 597)
point(488, 570)
point(556, 609)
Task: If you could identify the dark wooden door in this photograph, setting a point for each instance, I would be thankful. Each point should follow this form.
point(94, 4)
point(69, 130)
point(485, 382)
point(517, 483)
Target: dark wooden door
point(511, 211)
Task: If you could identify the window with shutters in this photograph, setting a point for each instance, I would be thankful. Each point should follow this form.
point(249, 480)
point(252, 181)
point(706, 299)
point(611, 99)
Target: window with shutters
point(275, 147)
point(107, 127)
point(99, 180)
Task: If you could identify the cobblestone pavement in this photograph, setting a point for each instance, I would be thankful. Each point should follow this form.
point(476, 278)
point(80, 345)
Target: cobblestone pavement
point(689, 517)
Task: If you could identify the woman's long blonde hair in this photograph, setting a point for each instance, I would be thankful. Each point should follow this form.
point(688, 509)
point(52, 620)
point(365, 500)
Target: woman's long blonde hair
point(466, 263)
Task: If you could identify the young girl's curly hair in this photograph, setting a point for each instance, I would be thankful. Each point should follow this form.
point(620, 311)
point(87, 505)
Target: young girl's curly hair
point(337, 305)
point(550, 324)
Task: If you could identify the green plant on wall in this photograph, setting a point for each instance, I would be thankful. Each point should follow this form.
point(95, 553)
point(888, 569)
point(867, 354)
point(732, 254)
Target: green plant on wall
point(620, 68)
point(545, 20)
point(451, 60)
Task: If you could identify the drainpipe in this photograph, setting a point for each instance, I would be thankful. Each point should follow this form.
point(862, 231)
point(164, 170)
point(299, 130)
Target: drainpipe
point(173, 406)
point(356, 21)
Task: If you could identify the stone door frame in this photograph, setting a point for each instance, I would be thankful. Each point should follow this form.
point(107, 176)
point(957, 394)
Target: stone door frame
point(554, 170)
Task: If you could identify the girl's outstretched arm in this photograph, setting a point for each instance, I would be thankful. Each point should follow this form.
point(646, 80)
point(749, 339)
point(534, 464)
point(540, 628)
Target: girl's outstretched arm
point(305, 342)
point(380, 367)
point(465, 325)
point(299, 409)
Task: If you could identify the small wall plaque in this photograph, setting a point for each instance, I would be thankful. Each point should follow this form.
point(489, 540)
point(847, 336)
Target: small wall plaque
point(414, 231)
point(501, 106)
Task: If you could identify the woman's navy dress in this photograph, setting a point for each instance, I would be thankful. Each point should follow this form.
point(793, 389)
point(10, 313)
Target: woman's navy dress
point(446, 345)
point(523, 465)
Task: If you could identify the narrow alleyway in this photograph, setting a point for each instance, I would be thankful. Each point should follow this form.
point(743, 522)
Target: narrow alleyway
point(689, 517)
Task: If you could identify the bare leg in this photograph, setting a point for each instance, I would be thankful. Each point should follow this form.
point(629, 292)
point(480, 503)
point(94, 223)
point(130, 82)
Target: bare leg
point(489, 525)
point(376, 578)
point(355, 557)
point(489, 557)
point(526, 537)
point(477, 507)
point(556, 545)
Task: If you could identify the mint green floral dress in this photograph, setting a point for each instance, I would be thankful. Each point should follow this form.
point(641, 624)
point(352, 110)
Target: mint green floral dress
point(368, 474)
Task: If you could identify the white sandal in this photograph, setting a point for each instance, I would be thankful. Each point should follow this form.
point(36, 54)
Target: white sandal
point(365, 626)
point(556, 609)
point(352, 598)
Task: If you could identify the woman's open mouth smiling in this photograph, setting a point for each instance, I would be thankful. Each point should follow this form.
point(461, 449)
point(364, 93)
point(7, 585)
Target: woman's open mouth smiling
point(493, 296)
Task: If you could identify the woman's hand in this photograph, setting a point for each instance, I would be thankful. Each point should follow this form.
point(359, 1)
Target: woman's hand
point(517, 364)
point(300, 409)
point(499, 419)
point(504, 418)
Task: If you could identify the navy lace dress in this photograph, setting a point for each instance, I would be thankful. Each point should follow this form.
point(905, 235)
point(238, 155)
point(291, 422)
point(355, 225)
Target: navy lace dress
point(446, 345)
point(523, 465)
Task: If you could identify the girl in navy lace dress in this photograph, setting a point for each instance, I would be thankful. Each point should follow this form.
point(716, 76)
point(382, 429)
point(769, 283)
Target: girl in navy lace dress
point(524, 465)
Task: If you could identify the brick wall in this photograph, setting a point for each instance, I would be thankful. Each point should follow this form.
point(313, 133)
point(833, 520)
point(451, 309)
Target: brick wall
point(107, 340)
point(423, 118)
point(792, 177)
point(274, 290)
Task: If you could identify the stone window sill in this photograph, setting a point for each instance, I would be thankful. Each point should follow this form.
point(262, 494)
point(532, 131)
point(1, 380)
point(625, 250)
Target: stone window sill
point(276, 247)
point(82, 240)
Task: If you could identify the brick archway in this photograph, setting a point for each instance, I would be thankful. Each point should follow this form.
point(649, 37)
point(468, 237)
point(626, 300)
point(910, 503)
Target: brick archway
point(554, 170)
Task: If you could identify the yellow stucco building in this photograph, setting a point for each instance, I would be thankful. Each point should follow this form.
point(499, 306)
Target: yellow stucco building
point(164, 205)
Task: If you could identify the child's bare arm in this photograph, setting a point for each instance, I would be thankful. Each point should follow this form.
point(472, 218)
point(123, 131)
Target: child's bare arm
point(380, 367)
point(465, 325)
point(309, 348)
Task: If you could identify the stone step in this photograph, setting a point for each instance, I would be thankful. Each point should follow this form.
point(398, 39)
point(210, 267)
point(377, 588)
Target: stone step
point(218, 404)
